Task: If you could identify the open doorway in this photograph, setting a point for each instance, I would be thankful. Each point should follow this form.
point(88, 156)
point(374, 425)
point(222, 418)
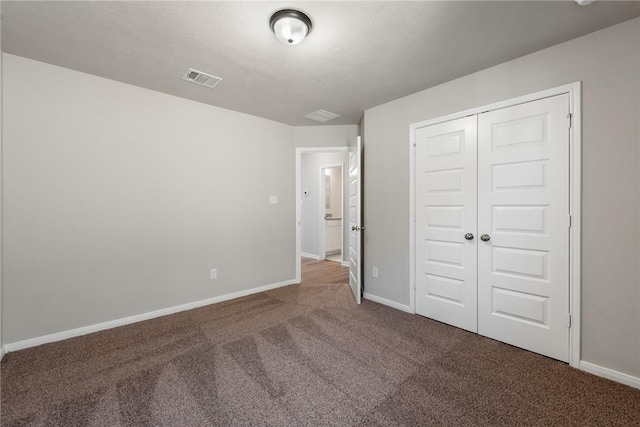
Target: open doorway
point(312, 164)
point(331, 241)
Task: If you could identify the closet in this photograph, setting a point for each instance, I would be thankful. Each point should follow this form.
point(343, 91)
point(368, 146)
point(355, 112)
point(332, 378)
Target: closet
point(492, 223)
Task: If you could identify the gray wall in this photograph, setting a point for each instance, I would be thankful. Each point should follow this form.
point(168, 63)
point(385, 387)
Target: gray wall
point(608, 64)
point(118, 200)
point(310, 166)
point(325, 136)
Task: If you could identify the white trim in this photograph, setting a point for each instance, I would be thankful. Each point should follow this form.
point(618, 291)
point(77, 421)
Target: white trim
point(559, 90)
point(59, 336)
point(299, 151)
point(307, 255)
point(575, 141)
point(412, 219)
point(575, 208)
point(610, 374)
point(345, 263)
point(3, 351)
point(322, 232)
point(387, 302)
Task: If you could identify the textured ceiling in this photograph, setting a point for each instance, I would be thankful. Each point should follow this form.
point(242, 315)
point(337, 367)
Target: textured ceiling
point(359, 54)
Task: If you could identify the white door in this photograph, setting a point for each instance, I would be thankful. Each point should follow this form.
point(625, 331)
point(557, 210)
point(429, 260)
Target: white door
point(446, 206)
point(355, 227)
point(523, 220)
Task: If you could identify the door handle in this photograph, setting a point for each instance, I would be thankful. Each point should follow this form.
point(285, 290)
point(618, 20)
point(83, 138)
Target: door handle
point(485, 237)
point(468, 236)
point(356, 228)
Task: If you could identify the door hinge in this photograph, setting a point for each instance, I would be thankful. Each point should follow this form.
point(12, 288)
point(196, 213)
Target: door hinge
point(570, 117)
point(569, 221)
point(568, 321)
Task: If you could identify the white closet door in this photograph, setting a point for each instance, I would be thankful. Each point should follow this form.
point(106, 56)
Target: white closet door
point(446, 160)
point(523, 194)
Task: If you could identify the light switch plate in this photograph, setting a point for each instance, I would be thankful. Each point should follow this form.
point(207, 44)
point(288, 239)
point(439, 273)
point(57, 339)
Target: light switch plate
point(273, 200)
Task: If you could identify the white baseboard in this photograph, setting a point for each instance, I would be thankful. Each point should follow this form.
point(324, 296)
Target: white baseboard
point(2, 352)
point(312, 256)
point(389, 303)
point(610, 374)
point(59, 336)
point(345, 263)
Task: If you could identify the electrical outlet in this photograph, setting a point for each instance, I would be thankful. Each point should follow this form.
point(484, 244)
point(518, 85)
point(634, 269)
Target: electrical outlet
point(375, 271)
point(213, 273)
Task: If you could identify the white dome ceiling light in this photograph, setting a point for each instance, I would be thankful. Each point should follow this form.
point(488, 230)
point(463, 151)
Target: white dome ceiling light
point(584, 2)
point(290, 26)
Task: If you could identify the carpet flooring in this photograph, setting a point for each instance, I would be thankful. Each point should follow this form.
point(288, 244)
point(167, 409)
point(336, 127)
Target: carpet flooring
point(302, 355)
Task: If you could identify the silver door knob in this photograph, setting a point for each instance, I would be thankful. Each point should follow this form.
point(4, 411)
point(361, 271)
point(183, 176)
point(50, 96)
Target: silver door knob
point(355, 228)
point(485, 237)
point(468, 236)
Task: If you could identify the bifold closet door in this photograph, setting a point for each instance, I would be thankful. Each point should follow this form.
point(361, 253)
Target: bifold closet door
point(523, 226)
point(446, 206)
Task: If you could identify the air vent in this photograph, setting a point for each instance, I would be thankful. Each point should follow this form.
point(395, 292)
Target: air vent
point(204, 79)
point(321, 116)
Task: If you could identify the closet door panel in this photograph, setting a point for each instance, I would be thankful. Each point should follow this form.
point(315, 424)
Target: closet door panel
point(523, 208)
point(446, 205)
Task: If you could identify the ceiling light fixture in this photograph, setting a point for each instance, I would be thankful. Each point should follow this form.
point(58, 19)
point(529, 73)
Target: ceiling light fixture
point(584, 2)
point(290, 26)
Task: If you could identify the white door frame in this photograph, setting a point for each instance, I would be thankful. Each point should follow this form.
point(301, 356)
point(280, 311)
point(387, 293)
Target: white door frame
point(575, 152)
point(322, 243)
point(299, 152)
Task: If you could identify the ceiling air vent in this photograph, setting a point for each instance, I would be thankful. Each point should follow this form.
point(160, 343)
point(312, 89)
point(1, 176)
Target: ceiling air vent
point(204, 79)
point(321, 116)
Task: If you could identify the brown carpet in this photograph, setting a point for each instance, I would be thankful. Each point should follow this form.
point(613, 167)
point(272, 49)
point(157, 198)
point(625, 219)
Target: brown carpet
point(300, 356)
